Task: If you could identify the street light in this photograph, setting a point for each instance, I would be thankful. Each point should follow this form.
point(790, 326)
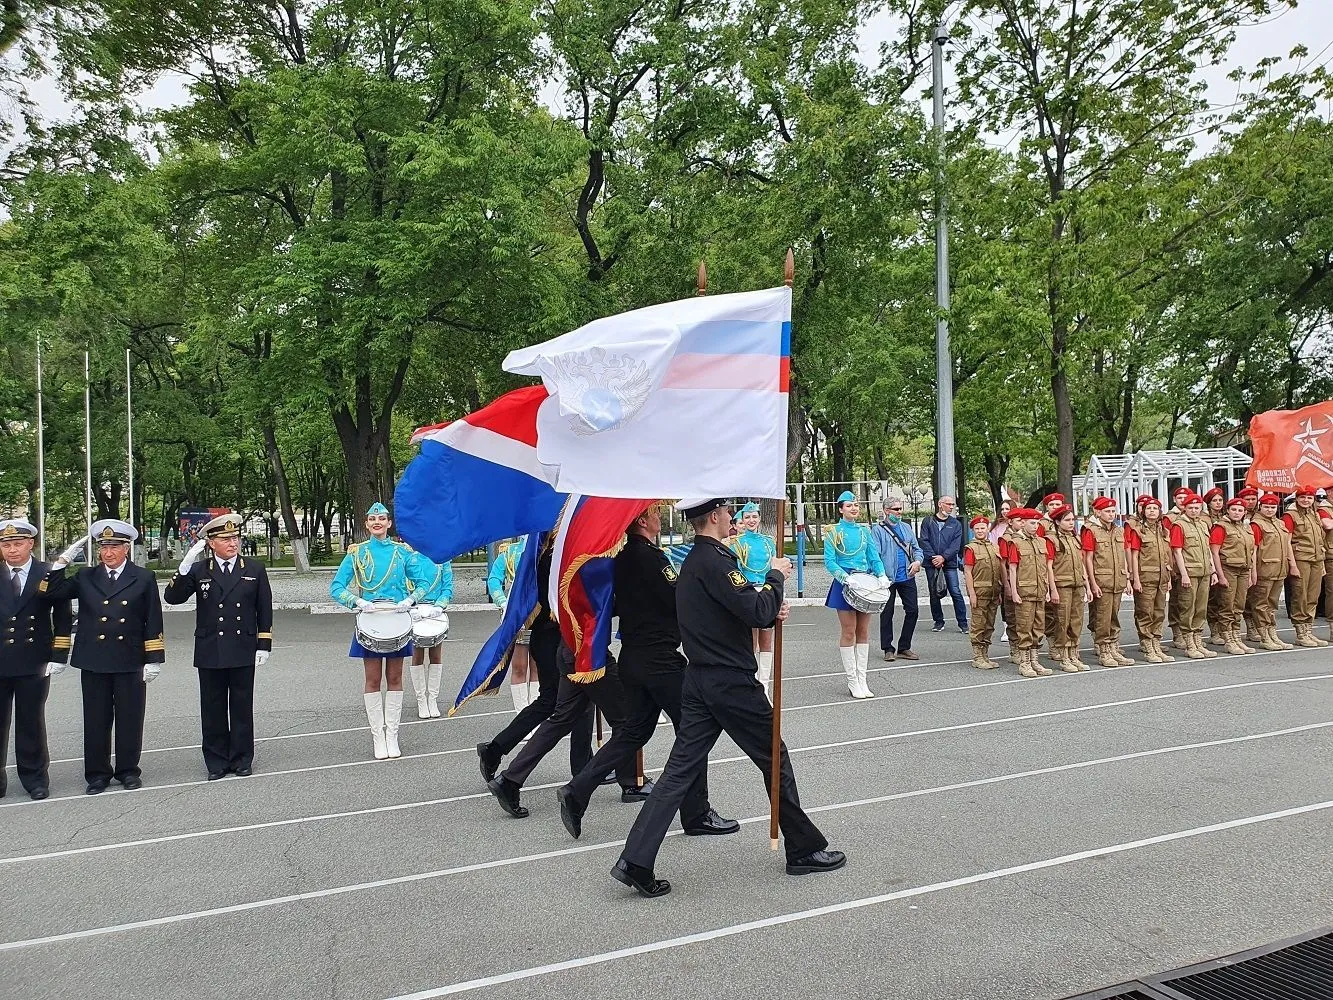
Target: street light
point(944, 456)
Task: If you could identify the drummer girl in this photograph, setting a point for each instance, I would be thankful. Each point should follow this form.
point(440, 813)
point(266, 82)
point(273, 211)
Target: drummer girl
point(755, 552)
point(849, 548)
point(498, 582)
point(380, 569)
point(427, 669)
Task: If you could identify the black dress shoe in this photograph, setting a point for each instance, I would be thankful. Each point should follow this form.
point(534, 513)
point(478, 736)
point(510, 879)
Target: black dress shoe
point(820, 861)
point(710, 824)
point(97, 787)
point(570, 813)
point(610, 778)
point(131, 783)
point(241, 772)
point(506, 793)
point(39, 793)
point(215, 775)
point(640, 879)
point(490, 762)
point(638, 793)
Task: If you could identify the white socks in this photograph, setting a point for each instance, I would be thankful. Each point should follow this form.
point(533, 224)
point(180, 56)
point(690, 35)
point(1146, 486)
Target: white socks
point(418, 672)
point(434, 674)
point(375, 716)
point(862, 665)
point(393, 712)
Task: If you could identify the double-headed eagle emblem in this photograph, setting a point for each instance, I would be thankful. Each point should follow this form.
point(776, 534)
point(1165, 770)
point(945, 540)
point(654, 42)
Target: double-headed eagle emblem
point(600, 391)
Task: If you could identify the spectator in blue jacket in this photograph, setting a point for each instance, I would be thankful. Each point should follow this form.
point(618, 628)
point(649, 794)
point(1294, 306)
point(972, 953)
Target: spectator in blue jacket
point(902, 558)
point(942, 541)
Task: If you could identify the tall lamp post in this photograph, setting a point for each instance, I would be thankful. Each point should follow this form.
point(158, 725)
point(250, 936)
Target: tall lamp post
point(943, 360)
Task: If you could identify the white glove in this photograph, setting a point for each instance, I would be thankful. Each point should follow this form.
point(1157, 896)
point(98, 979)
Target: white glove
point(191, 557)
point(71, 553)
point(405, 603)
point(883, 580)
point(261, 657)
point(150, 671)
point(54, 668)
point(362, 604)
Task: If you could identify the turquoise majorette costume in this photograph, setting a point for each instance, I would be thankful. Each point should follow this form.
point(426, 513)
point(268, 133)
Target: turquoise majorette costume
point(755, 552)
point(501, 576)
point(380, 569)
point(850, 548)
point(426, 677)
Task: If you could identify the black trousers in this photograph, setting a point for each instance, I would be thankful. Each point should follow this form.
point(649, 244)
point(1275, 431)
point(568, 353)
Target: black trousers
point(227, 711)
point(651, 680)
point(111, 700)
point(715, 700)
point(906, 593)
point(27, 696)
point(573, 716)
point(542, 649)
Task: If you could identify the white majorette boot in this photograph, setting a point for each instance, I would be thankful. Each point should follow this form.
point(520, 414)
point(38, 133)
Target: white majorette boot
point(848, 655)
point(862, 666)
point(434, 674)
point(765, 672)
point(418, 672)
point(519, 692)
point(393, 712)
point(375, 716)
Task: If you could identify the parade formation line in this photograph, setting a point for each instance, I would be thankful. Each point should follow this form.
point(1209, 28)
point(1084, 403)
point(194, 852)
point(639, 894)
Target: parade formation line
point(577, 849)
point(733, 930)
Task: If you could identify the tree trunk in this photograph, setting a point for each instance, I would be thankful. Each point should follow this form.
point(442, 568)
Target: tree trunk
point(997, 468)
point(1064, 410)
point(300, 555)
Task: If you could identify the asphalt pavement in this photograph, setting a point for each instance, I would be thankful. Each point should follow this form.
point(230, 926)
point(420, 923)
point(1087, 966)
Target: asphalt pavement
point(1006, 838)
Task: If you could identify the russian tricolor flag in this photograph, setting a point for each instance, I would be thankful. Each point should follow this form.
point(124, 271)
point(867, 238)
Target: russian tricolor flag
point(477, 480)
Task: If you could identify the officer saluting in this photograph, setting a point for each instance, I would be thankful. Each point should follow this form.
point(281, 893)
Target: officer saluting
point(119, 648)
point(233, 635)
point(717, 608)
point(35, 645)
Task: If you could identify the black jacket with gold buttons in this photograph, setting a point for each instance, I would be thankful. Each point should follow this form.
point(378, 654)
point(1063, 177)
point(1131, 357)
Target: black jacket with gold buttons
point(120, 622)
point(35, 628)
point(234, 614)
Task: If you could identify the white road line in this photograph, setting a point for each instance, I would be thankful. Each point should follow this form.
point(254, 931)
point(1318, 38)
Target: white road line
point(799, 708)
point(857, 904)
point(789, 679)
point(879, 799)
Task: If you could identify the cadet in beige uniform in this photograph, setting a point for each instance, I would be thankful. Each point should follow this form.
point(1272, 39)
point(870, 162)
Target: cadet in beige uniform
point(1326, 519)
point(1032, 584)
point(1151, 560)
point(1274, 562)
point(1232, 542)
point(983, 572)
point(1215, 503)
point(1071, 588)
point(1108, 578)
point(1307, 542)
point(1193, 580)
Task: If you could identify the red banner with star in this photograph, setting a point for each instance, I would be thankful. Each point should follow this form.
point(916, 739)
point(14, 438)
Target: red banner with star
point(1292, 448)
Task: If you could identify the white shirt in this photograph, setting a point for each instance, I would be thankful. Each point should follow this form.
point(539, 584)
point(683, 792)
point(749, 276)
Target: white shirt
point(226, 564)
point(113, 573)
point(24, 570)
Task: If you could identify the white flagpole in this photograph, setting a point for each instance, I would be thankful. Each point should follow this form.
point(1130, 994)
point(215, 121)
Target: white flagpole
point(87, 454)
point(129, 443)
point(41, 461)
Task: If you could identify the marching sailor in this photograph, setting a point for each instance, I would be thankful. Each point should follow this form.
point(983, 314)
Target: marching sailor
point(427, 662)
point(755, 552)
point(233, 636)
point(35, 648)
point(380, 569)
point(498, 582)
point(119, 649)
point(849, 548)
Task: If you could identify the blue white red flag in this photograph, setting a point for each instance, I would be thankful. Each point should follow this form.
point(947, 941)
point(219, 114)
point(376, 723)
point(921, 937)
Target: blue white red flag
point(477, 480)
point(590, 533)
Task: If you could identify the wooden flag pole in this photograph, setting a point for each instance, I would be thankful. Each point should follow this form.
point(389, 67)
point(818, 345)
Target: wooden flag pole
point(775, 758)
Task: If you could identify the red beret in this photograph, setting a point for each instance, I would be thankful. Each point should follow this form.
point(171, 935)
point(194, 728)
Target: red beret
point(1146, 499)
point(1054, 498)
point(979, 519)
point(1181, 491)
point(1102, 503)
point(1193, 498)
point(1216, 491)
point(1248, 491)
point(1236, 501)
point(1059, 511)
point(1305, 491)
point(1272, 498)
point(1024, 514)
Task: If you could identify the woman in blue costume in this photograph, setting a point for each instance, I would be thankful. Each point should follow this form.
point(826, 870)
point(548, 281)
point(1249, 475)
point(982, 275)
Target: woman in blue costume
point(380, 569)
point(755, 551)
point(850, 548)
point(427, 667)
point(498, 583)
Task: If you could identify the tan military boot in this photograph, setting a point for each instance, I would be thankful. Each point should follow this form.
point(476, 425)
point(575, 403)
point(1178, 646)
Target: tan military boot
point(1119, 654)
point(1162, 655)
point(1037, 665)
point(1193, 650)
point(1276, 639)
point(1199, 645)
point(1149, 650)
point(1231, 642)
point(1305, 637)
point(1217, 635)
point(1180, 639)
point(1253, 634)
point(1027, 663)
point(1104, 656)
point(979, 659)
point(1015, 654)
point(1236, 634)
point(1064, 656)
point(1073, 657)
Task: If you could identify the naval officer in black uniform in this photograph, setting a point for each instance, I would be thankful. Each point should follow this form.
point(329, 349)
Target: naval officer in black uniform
point(717, 608)
point(34, 645)
point(119, 648)
point(233, 635)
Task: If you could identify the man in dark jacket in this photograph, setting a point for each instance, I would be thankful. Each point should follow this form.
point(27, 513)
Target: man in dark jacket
point(233, 635)
point(942, 541)
point(34, 645)
point(119, 649)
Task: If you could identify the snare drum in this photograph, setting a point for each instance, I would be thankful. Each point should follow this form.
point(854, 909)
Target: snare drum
point(430, 626)
point(865, 593)
point(383, 628)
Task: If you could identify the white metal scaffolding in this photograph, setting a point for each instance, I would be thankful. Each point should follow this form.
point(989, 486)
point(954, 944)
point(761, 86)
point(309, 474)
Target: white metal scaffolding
point(1160, 473)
